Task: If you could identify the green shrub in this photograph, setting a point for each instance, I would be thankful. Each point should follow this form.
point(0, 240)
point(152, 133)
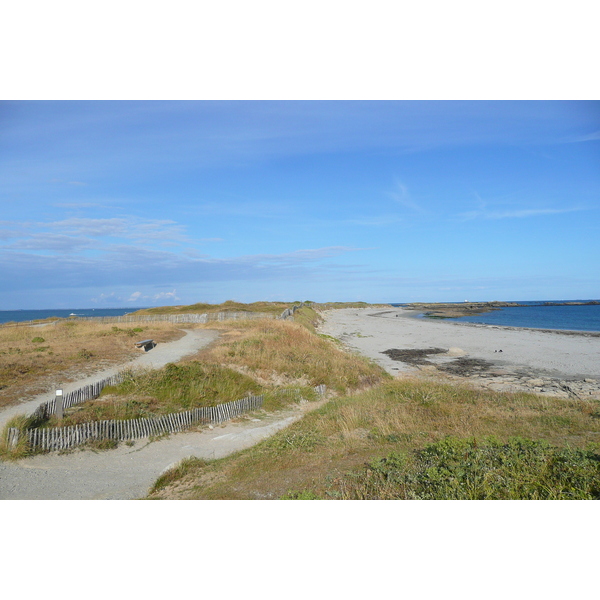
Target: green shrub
point(468, 469)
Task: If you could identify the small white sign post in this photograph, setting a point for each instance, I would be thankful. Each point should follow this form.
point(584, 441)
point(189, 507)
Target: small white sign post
point(59, 404)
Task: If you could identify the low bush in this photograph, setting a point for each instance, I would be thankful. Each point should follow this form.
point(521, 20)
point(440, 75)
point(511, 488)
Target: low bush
point(488, 469)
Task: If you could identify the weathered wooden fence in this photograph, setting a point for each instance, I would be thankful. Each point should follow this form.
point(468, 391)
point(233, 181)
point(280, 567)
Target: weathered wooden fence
point(88, 392)
point(63, 438)
point(289, 312)
point(179, 318)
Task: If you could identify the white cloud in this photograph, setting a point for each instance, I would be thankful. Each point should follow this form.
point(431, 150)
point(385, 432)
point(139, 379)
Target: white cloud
point(135, 267)
point(402, 196)
point(591, 137)
point(75, 233)
point(52, 242)
point(514, 214)
point(166, 296)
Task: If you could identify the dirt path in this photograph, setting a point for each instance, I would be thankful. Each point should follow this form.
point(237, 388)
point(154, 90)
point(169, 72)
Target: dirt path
point(128, 472)
point(194, 340)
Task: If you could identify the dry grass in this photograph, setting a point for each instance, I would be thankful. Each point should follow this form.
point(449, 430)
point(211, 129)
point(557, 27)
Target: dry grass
point(314, 454)
point(286, 353)
point(32, 358)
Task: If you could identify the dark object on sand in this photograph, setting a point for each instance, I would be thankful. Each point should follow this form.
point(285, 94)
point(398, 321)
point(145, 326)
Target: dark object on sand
point(145, 345)
point(413, 357)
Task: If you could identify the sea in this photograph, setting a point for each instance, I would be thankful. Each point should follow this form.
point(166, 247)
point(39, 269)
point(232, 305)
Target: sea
point(20, 316)
point(538, 315)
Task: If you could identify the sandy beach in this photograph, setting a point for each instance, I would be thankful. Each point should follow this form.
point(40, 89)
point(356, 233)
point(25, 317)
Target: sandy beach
point(501, 358)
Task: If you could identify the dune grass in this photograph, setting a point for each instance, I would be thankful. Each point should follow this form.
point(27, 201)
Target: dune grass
point(330, 453)
point(287, 353)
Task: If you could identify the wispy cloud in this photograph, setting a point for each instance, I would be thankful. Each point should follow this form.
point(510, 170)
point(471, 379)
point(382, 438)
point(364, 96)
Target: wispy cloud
point(402, 196)
point(125, 227)
point(590, 137)
point(52, 242)
point(126, 265)
point(522, 213)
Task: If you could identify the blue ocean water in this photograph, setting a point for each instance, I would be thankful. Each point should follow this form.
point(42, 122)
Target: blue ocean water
point(19, 316)
point(539, 316)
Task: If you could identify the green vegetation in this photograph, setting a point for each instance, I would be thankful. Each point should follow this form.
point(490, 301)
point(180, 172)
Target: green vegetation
point(465, 469)
point(342, 449)
point(308, 317)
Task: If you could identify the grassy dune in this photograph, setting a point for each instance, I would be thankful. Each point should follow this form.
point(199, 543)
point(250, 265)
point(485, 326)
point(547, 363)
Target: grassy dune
point(285, 352)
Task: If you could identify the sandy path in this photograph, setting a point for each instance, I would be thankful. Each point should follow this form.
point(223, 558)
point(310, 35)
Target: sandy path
point(128, 472)
point(159, 356)
point(371, 332)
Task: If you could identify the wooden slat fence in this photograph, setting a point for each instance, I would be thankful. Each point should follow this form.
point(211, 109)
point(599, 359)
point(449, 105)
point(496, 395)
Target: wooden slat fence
point(289, 312)
point(76, 397)
point(180, 318)
point(63, 438)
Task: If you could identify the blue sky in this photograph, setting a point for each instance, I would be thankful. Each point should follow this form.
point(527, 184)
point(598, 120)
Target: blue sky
point(142, 203)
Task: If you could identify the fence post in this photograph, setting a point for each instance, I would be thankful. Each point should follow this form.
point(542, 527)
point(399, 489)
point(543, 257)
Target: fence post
point(13, 437)
point(59, 404)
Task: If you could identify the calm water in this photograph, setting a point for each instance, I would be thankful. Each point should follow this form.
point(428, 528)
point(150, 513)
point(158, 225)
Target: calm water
point(574, 318)
point(19, 316)
point(538, 316)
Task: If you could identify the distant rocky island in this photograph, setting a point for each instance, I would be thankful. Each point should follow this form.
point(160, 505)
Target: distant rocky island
point(447, 310)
